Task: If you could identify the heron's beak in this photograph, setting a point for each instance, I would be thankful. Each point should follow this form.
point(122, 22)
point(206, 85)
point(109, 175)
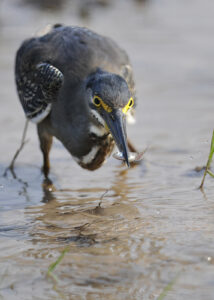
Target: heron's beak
point(116, 123)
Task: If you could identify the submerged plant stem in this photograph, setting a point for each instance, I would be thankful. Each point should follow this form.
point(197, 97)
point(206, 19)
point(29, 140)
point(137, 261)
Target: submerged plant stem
point(207, 169)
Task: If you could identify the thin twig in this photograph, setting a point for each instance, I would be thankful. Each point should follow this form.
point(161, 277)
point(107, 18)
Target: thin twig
point(23, 142)
point(103, 195)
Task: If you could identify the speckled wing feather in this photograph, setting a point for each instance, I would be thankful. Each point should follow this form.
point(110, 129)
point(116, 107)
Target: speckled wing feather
point(37, 86)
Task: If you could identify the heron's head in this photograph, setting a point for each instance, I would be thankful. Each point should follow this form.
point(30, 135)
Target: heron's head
point(109, 102)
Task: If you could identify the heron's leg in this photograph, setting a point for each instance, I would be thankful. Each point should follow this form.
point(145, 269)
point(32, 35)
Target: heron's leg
point(45, 144)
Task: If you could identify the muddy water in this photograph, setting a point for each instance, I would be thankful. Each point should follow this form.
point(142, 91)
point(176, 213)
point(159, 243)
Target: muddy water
point(129, 233)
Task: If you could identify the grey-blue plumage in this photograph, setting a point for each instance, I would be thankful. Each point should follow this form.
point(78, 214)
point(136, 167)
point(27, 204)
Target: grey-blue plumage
point(58, 75)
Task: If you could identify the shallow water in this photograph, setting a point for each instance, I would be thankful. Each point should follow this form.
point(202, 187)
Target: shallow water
point(130, 232)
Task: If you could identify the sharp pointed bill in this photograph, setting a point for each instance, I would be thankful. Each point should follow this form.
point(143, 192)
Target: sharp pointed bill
point(117, 126)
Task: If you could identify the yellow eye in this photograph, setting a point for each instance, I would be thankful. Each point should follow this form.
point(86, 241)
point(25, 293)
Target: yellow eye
point(131, 102)
point(128, 105)
point(97, 101)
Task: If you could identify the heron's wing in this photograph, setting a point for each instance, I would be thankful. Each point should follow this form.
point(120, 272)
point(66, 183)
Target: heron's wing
point(37, 85)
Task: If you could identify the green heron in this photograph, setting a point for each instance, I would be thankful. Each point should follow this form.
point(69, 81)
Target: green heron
point(78, 86)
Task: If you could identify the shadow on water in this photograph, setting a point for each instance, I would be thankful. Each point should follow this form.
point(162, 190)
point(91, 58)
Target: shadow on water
point(83, 216)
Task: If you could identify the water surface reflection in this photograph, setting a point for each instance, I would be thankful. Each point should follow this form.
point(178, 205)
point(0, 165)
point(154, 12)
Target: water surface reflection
point(129, 233)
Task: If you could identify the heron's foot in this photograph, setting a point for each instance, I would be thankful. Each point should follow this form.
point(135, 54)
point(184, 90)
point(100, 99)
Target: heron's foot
point(48, 185)
point(48, 190)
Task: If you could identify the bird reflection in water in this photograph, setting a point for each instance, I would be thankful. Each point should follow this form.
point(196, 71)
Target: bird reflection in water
point(67, 216)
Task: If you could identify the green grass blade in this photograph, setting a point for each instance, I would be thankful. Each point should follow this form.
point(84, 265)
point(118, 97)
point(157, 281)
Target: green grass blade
point(212, 144)
point(59, 259)
point(167, 288)
point(211, 153)
point(208, 161)
point(210, 173)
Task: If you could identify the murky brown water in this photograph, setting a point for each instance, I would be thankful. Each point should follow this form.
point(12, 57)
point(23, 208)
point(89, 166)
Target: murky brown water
point(153, 224)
